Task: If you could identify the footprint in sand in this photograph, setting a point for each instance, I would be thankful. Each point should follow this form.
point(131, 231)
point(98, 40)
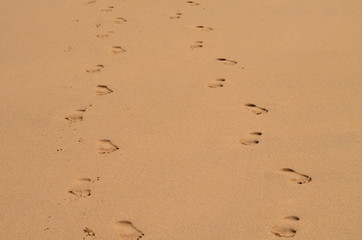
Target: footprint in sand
point(251, 140)
point(218, 83)
point(203, 28)
point(82, 188)
point(126, 231)
point(119, 20)
point(286, 227)
point(94, 69)
point(75, 116)
point(105, 146)
point(117, 50)
point(90, 2)
point(197, 44)
point(295, 176)
point(103, 90)
point(255, 109)
point(191, 3)
point(107, 9)
point(104, 35)
point(226, 61)
point(176, 15)
point(89, 233)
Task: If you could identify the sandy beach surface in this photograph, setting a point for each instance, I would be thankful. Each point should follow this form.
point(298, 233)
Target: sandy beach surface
point(180, 120)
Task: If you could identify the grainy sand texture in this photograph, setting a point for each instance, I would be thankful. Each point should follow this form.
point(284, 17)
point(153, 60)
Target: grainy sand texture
point(180, 120)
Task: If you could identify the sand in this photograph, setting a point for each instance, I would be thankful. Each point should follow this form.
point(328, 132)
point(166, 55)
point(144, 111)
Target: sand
point(129, 119)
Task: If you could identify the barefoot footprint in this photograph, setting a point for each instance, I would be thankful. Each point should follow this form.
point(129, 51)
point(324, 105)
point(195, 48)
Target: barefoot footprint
point(197, 44)
point(176, 16)
point(105, 146)
point(126, 231)
point(226, 61)
point(75, 116)
point(89, 233)
point(107, 9)
point(103, 90)
point(255, 109)
point(251, 140)
point(104, 35)
point(286, 227)
point(82, 187)
point(295, 176)
point(90, 2)
point(119, 20)
point(94, 69)
point(217, 83)
point(203, 28)
point(191, 3)
point(117, 50)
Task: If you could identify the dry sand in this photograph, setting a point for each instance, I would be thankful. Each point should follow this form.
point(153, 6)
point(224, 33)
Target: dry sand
point(175, 120)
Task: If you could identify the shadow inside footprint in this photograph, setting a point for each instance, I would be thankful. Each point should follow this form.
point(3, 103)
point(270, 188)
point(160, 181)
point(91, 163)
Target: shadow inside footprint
point(255, 109)
point(103, 90)
point(286, 227)
point(226, 61)
point(295, 176)
point(126, 231)
point(105, 146)
point(251, 140)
